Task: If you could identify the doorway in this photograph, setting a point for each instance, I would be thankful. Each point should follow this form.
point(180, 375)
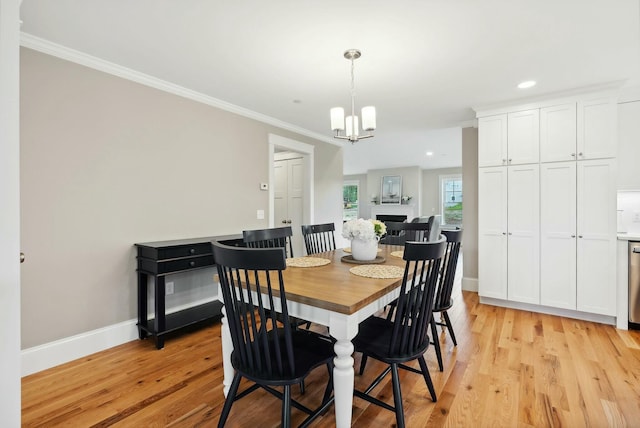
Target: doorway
point(290, 169)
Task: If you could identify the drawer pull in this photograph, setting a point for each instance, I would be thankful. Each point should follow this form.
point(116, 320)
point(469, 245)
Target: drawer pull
point(192, 250)
point(192, 264)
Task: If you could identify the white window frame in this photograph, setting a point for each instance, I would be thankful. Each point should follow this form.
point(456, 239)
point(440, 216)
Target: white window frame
point(442, 179)
point(352, 183)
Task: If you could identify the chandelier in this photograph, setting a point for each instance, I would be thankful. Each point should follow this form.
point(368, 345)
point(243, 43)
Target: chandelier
point(351, 124)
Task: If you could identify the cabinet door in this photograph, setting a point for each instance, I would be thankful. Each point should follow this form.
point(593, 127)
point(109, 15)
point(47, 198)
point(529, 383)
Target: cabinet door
point(492, 232)
point(597, 128)
point(523, 252)
point(558, 133)
point(558, 235)
point(492, 140)
point(523, 137)
point(596, 252)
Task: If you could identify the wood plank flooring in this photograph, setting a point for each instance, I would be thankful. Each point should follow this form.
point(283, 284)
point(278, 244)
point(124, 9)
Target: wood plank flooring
point(510, 369)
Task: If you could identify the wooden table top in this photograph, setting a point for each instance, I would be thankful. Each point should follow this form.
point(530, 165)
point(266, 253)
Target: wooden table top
point(334, 288)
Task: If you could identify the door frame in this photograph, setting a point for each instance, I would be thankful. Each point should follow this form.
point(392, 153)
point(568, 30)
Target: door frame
point(10, 363)
point(307, 152)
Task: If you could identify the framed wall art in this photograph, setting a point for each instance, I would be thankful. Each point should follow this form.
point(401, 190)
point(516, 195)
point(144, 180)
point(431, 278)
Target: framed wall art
point(391, 190)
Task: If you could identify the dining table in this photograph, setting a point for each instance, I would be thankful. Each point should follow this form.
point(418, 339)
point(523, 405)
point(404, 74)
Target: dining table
point(330, 294)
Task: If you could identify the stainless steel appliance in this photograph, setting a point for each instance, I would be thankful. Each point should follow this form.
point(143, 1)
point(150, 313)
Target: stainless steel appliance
point(634, 284)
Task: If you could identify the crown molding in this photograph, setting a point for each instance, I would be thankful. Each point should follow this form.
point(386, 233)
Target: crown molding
point(45, 46)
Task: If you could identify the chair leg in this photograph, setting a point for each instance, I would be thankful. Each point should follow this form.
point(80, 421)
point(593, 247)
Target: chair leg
point(427, 378)
point(450, 327)
point(286, 407)
point(302, 390)
point(397, 396)
point(329, 388)
point(363, 362)
point(436, 342)
point(230, 399)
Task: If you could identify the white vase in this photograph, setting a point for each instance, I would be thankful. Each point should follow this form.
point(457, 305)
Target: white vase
point(364, 249)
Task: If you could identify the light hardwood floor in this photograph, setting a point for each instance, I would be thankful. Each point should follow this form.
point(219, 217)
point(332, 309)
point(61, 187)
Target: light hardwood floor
point(510, 369)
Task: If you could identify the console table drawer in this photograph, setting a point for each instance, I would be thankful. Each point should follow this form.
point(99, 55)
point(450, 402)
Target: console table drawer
point(161, 267)
point(175, 252)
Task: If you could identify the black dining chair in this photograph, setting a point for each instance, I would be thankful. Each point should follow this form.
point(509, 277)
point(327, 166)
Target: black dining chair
point(277, 237)
point(399, 233)
point(265, 352)
point(319, 238)
point(443, 301)
point(404, 337)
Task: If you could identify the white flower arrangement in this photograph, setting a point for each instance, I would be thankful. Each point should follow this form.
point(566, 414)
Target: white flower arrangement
point(363, 229)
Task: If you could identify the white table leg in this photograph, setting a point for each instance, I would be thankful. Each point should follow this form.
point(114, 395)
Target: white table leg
point(227, 348)
point(343, 375)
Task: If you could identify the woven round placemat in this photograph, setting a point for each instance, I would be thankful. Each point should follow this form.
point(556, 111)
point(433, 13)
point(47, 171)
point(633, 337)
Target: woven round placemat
point(348, 250)
point(398, 254)
point(307, 262)
point(378, 271)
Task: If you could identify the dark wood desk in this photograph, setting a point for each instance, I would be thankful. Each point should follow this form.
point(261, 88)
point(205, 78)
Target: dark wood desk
point(158, 259)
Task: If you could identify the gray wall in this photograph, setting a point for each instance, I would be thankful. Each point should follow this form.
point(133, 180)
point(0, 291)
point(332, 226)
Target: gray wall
point(106, 163)
point(411, 184)
point(470, 208)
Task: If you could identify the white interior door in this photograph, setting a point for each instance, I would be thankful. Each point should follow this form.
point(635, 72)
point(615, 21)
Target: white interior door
point(9, 213)
point(289, 180)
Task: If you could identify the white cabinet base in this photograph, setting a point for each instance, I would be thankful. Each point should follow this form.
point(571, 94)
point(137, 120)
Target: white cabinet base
point(567, 313)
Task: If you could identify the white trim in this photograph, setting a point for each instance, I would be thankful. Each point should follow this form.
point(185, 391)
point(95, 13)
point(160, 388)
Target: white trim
point(441, 179)
point(470, 284)
point(567, 313)
point(71, 348)
point(32, 42)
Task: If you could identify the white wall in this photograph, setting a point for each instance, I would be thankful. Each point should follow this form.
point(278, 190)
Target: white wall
point(629, 145)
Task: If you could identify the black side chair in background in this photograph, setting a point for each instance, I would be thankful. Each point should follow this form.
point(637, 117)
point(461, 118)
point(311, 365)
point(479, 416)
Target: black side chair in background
point(278, 237)
point(319, 238)
point(265, 352)
point(443, 301)
point(399, 233)
point(405, 337)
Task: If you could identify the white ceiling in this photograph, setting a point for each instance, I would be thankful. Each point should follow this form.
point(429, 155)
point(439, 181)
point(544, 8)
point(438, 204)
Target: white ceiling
point(424, 65)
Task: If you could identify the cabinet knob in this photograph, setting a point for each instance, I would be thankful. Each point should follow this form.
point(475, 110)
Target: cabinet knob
point(510, 233)
point(192, 264)
point(573, 155)
point(504, 233)
point(192, 250)
point(579, 236)
point(580, 154)
point(573, 236)
point(504, 161)
point(510, 160)
point(284, 221)
point(21, 257)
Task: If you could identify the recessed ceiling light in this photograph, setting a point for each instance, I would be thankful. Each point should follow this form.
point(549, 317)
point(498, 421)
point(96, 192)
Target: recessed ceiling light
point(429, 153)
point(527, 84)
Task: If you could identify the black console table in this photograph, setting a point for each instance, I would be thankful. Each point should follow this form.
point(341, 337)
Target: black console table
point(158, 259)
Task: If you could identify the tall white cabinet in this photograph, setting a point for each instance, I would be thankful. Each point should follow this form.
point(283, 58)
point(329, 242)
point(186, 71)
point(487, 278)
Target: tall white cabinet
point(547, 205)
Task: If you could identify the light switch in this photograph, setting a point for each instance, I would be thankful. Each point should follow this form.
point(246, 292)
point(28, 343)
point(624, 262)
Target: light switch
point(260, 214)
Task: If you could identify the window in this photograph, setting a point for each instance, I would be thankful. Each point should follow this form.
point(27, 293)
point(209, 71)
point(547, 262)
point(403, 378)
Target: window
point(451, 199)
point(350, 200)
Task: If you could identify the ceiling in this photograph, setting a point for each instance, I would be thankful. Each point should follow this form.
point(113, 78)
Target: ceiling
point(425, 63)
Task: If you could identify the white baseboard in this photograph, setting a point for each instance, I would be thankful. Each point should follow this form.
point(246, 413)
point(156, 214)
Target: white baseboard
point(470, 284)
point(71, 348)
